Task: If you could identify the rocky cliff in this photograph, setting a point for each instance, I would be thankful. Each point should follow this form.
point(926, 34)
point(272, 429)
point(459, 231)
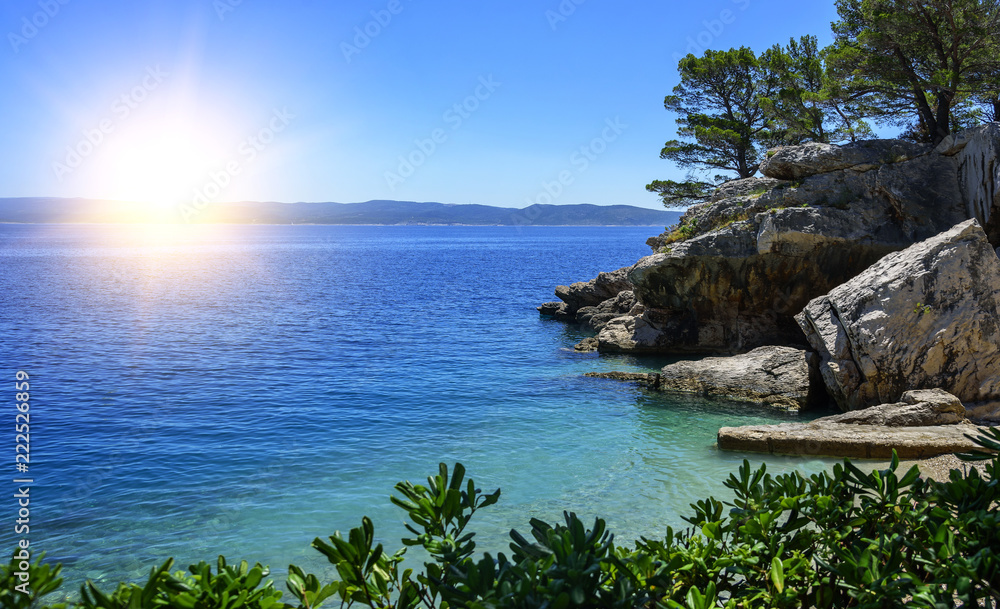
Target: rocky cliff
point(737, 269)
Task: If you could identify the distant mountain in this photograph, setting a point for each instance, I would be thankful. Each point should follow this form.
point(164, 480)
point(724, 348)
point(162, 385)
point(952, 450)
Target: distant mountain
point(54, 210)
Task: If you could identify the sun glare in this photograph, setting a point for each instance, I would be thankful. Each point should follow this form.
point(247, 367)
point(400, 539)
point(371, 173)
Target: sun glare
point(159, 166)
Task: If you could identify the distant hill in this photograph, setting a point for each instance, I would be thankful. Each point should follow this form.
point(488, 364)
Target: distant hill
point(54, 210)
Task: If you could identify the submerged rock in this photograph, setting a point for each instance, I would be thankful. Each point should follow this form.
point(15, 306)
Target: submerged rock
point(776, 376)
point(557, 310)
point(651, 379)
point(925, 317)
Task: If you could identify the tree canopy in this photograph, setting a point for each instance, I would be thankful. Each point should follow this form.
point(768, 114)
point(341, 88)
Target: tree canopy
point(930, 67)
point(808, 105)
point(918, 61)
point(721, 121)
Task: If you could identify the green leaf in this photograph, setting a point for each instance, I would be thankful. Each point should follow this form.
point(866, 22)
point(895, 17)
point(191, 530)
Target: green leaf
point(711, 530)
point(778, 574)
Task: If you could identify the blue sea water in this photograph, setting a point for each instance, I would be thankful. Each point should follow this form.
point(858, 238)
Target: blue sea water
point(241, 390)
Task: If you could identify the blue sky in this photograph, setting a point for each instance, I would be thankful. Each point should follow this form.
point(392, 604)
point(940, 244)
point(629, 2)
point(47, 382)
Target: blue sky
point(497, 103)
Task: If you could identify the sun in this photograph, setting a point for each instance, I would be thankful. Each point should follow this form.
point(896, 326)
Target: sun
point(159, 166)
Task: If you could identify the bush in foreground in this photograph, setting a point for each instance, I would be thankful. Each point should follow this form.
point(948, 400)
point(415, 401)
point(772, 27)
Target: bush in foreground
point(835, 539)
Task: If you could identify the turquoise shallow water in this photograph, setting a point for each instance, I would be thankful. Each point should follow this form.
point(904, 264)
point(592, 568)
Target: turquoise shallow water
point(244, 389)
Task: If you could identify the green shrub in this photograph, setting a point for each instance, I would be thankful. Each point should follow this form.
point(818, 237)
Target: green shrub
point(682, 232)
point(42, 579)
point(835, 539)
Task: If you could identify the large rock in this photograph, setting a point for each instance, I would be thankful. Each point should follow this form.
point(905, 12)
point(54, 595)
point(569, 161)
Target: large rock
point(906, 198)
point(755, 260)
point(653, 380)
point(987, 413)
point(925, 317)
point(825, 439)
point(594, 292)
point(776, 376)
point(558, 310)
point(920, 408)
point(797, 162)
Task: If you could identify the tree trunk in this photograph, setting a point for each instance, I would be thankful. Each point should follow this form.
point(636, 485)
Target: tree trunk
point(924, 112)
point(941, 127)
point(741, 165)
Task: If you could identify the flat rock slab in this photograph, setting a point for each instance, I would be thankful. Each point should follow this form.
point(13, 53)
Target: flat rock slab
point(846, 440)
point(628, 377)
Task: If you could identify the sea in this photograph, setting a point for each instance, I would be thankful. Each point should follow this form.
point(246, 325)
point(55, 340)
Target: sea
point(241, 390)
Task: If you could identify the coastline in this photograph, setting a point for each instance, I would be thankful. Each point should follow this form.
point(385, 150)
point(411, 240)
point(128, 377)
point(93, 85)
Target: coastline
point(884, 302)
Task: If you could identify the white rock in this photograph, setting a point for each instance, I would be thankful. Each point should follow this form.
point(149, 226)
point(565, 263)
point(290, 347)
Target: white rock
point(925, 317)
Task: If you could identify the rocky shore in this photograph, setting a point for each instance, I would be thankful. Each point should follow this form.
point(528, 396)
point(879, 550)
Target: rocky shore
point(859, 275)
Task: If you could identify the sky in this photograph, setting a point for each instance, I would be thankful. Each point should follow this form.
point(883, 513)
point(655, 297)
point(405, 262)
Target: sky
point(511, 103)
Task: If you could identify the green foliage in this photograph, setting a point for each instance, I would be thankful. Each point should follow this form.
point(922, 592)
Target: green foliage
point(43, 579)
point(926, 65)
point(809, 105)
point(842, 538)
point(720, 115)
point(682, 231)
point(677, 194)
point(931, 67)
point(230, 587)
point(722, 125)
